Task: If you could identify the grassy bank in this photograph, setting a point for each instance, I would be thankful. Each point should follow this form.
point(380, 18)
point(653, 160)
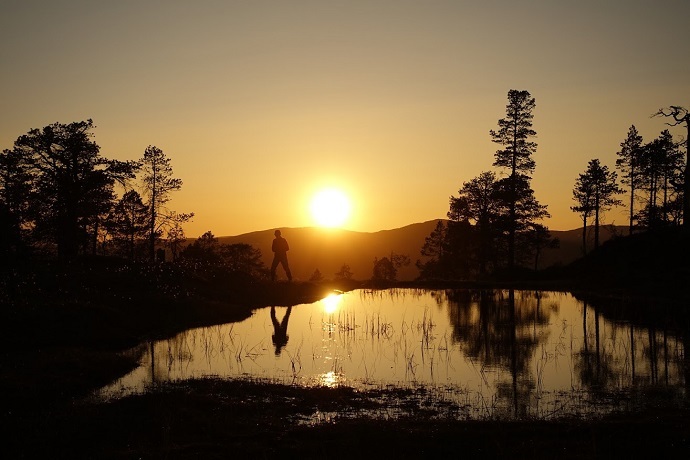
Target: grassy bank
point(62, 327)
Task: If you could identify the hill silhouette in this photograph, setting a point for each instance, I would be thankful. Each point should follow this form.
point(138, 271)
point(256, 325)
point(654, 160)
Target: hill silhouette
point(326, 250)
point(654, 262)
point(570, 248)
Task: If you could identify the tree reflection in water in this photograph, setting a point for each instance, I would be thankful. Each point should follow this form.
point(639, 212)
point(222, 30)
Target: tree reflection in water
point(500, 331)
point(503, 353)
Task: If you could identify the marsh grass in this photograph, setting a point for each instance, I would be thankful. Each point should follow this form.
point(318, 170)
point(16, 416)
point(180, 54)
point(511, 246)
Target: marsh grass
point(424, 355)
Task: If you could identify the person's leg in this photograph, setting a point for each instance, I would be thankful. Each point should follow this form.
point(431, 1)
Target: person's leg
point(286, 267)
point(274, 265)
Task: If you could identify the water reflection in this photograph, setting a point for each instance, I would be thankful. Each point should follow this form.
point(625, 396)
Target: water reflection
point(330, 303)
point(280, 336)
point(502, 353)
point(330, 379)
point(502, 332)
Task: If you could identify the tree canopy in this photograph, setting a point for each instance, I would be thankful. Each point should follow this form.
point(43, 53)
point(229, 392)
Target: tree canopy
point(58, 193)
point(71, 184)
point(514, 192)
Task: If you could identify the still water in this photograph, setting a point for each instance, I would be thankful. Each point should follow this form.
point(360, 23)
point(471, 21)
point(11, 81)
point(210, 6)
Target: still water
point(495, 353)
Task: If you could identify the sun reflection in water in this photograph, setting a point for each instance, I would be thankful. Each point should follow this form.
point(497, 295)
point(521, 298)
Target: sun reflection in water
point(330, 303)
point(331, 379)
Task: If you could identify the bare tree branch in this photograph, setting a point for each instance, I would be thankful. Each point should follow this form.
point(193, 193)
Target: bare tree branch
point(678, 113)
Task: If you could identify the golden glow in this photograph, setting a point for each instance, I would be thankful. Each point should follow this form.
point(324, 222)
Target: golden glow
point(330, 379)
point(330, 208)
point(330, 303)
point(383, 106)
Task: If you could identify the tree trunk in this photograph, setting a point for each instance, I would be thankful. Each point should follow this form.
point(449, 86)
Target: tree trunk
point(632, 202)
point(513, 199)
point(152, 238)
point(664, 206)
point(584, 235)
point(686, 186)
point(95, 238)
point(152, 235)
point(596, 223)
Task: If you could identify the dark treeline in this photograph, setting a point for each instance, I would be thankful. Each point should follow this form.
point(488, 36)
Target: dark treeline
point(61, 199)
point(58, 197)
point(494, 224)
point(78, 228)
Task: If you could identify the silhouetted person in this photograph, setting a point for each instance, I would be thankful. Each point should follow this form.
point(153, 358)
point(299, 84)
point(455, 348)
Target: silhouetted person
point(280, 337)
point(280, 248)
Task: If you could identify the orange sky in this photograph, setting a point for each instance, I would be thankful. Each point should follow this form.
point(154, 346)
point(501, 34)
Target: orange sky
point(259, 104)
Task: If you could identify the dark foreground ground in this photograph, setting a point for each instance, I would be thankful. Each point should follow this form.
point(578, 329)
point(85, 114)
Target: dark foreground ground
point(236, 419)
point(54, 355)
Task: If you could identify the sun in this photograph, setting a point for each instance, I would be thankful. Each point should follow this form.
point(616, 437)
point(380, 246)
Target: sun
point(330, 208)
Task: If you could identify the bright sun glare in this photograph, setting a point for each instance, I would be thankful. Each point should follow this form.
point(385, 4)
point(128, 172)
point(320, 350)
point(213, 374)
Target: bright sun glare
point(330, 303)
point(330, 208)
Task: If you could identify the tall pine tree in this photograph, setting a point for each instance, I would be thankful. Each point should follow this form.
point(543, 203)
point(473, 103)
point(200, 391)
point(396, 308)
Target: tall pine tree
point(628, 163)
point(596, 191)
point(159, 183)
point(681, 115)
point(515, 136)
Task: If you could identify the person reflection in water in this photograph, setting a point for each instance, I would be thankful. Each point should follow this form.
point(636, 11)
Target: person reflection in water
point(280, 248)
point(280, 337)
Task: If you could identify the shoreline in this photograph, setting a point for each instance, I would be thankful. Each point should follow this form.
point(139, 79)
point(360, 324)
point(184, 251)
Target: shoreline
point(99, 333)
point(44, 389)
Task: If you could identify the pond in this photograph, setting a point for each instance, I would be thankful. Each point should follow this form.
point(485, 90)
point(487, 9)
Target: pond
point(495, 353)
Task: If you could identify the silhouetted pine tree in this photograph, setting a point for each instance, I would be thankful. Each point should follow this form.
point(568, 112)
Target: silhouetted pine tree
point(681, 115)
point(158, 184)
point(345, 273)
point(514, 135)
point(477, 203)
point(583, 195)
point(128, 224)
point(433, 250)
point(15, 192)
point(72, 184)
point(628, 162)
point(597, 189)
point(660, 166)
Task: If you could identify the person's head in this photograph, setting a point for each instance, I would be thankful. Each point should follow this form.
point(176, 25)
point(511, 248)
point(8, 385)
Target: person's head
point(277, 233)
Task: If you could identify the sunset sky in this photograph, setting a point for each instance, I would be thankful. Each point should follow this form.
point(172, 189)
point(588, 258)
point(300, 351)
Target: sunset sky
point(260, 104)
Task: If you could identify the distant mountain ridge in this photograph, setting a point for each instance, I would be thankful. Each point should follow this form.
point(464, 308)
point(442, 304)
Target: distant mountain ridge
point(570, 248)
point(313, 248)
point(328, 249)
